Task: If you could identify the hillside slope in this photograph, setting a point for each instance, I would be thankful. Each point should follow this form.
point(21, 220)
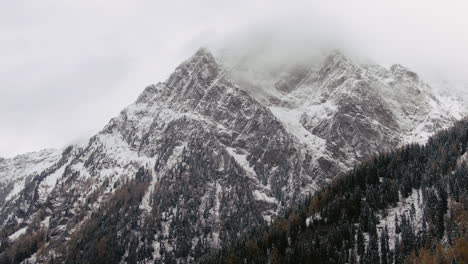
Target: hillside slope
point(406, 206)
point(199, 160)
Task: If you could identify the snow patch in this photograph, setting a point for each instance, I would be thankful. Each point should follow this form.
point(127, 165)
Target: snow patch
point(48, 184)
point(259, 196)
point(176, 155)
point(291, 120)
point(463, 159)
point(15, 170)
point(310, 220)
point(17, 188)
point(241, 159)
point(17, 234)
point(404, 207)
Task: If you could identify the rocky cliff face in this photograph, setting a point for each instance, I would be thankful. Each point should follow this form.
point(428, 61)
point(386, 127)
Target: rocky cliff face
point(357, 109)
point(198, 160)
point(15, 172)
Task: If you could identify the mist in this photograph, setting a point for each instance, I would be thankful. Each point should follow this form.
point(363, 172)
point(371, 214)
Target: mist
point(429, 37)
point(68, 67)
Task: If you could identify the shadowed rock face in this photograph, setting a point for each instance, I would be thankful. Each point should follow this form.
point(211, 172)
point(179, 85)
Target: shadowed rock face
point(362, 123)
point(197, 160)
point(404, 74)
point(291, 80)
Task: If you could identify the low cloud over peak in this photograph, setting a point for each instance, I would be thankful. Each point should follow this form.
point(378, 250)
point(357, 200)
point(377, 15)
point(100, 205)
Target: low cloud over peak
point(67, 67)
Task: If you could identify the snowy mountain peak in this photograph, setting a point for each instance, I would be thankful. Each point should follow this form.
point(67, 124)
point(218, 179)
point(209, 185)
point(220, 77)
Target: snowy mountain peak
point(201, 52)
point(402, 73)
point(191, 78)
point(336, 61)
point(202, 60)
point(337, 56)
point(207, 158)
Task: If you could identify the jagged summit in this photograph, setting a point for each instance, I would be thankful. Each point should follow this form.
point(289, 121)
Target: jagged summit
point(404, 74)
point(335, 57)
point(201, 56)
point(193, 77)
point(202, 51)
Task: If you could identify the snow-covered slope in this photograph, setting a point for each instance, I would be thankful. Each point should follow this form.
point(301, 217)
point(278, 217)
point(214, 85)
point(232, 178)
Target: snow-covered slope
point(356, 109)
point(233, 155)
point(216, 155)
point(14, 172)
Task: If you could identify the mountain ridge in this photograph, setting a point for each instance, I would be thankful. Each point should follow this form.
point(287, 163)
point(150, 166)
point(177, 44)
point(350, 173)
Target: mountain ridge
point(235, 153)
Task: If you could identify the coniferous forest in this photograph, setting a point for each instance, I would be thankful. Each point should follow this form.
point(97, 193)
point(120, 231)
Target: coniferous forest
point(406, 206)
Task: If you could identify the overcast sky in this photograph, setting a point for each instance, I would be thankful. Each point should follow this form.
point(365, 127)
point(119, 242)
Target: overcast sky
point(68, 66)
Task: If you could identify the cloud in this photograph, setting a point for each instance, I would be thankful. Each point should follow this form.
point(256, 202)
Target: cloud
point(68, 66)
point(429, 36)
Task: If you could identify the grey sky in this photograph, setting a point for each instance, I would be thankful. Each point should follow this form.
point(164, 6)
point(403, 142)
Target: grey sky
point(68, 66)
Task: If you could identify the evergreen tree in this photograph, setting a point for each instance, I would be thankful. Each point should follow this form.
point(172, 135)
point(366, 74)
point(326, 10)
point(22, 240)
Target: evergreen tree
point(384, 248)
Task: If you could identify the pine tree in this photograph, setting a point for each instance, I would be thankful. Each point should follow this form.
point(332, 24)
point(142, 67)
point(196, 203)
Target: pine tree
point(398, 257)
point(360, 243)
point(384, 248)
point(373, 249)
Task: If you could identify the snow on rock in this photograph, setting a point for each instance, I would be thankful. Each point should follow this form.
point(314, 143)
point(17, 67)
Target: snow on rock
point(291, 133)
point(17, 188)
point(14, 171)
point(18, 233)
point(291, 119)
point(27, 164)
point(49, 183)
point(310, 220)
point(259, 196)
point(337, 94)
point(241, 158)
point(463, 159)
point(411, 207)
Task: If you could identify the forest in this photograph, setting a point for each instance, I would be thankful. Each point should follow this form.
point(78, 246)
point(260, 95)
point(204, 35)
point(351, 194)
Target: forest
point(409, 205)
point(344, 223)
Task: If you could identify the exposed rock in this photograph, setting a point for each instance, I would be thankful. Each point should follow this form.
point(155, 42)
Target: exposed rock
point(210, 159)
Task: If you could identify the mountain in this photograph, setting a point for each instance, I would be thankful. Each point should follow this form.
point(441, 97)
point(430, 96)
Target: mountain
point(14, 172)
point(406, 206)
point(357, 109)
point(205, 157)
